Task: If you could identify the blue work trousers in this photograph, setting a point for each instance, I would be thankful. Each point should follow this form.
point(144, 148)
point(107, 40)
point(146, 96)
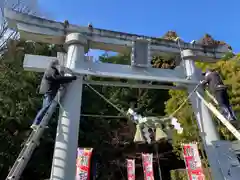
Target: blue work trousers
point(47, 100)
point(225, 106)
point(228, 113)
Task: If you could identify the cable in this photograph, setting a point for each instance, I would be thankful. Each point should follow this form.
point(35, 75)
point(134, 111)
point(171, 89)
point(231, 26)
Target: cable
point(179, 46)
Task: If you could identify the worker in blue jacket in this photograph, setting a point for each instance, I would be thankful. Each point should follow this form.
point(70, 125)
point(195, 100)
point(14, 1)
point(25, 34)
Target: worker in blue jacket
point(50, 84)
point(213, 81)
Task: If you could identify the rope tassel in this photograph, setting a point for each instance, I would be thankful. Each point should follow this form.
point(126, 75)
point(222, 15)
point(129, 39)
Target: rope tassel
point(138, 138)
point(160, 134)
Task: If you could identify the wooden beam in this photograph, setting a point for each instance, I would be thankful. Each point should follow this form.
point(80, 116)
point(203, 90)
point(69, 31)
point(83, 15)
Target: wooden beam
point(48, 31)
point(40, 63)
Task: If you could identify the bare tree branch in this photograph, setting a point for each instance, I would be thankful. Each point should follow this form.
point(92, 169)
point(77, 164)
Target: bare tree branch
point(5, 33)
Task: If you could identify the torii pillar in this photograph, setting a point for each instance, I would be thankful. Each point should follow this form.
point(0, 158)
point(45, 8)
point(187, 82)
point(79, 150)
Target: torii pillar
point(206, 126)
point(65, 151)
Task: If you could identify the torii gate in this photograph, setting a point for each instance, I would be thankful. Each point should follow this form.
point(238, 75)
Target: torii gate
point(78, 40)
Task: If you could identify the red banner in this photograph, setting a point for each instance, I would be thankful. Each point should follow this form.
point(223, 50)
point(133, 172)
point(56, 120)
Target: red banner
point(147, 160)
point(83, 163)
point(193, 162)
point(131, 169)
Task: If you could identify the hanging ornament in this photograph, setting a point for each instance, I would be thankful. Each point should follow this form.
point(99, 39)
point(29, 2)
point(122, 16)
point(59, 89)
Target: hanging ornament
point(160, 134)
point(138, 138)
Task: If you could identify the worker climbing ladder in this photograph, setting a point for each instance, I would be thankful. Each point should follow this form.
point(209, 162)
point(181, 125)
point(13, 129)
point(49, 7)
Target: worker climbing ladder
point(224, 121)
point(33, 141)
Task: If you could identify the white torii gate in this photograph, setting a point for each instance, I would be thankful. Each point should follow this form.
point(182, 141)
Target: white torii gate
point(78, 40)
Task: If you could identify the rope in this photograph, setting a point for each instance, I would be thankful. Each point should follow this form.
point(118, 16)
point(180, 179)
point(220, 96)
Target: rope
point(179, 46)
point(124, 113)
point(106, 99)
point(183, 103)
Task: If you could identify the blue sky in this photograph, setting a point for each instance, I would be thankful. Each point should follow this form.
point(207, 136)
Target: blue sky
point(191, 19)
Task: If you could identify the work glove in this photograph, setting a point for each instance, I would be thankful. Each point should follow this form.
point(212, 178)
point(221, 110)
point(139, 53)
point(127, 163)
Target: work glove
point(65, 70)
point(203, 82)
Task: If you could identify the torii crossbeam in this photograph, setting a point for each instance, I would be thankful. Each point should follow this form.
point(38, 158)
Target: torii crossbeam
point(47, 31)
point(78, 39)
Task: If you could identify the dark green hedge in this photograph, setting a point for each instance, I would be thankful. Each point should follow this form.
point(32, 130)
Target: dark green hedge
point(181, 174)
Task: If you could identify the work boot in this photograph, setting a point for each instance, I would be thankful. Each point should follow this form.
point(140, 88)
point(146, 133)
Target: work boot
point(236, 124)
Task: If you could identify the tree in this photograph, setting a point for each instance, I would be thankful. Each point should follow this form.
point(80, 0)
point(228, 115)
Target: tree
point(26, 6)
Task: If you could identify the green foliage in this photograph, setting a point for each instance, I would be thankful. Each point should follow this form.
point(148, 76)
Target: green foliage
point(181, 174)
point(19, 102)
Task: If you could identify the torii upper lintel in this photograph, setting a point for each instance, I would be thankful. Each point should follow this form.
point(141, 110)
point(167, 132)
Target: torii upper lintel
point(43, 30)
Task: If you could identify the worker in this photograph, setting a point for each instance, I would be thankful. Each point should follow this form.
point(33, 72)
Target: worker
point(52, 79)
point(213, 81)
